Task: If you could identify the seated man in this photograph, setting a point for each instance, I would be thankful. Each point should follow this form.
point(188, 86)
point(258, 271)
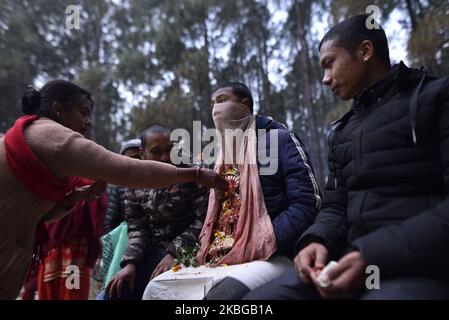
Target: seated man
point(115, 213)
point(160, 222)
point(386, 203)
point(115, 238)
point(253, 226)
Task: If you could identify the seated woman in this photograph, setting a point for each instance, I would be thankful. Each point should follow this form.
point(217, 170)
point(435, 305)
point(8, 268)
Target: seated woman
point(74, 242)
point(38, 157)
point(250, 230)
point(160, 222)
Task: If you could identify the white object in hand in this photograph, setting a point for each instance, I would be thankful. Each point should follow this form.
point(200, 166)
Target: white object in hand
point(323, 278)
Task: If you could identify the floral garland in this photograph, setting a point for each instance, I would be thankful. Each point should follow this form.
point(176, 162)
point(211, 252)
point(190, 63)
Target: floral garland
point(229, 215)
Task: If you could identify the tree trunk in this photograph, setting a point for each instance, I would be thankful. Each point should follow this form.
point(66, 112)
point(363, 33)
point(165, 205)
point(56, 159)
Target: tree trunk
point(307, 96)
point(411, 14)
point(206, 118)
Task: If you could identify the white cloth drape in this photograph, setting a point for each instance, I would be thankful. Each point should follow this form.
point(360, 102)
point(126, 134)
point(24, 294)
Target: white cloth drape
point(194, 283)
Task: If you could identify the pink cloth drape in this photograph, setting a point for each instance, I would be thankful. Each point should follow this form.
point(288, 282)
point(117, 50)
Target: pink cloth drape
point(254, 235)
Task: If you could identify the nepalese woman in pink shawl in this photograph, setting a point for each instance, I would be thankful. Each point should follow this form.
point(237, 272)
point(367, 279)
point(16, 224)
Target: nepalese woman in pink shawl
point(40, 153)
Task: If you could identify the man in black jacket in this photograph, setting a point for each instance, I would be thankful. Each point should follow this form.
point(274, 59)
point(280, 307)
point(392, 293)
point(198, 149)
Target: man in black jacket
point(386, 202)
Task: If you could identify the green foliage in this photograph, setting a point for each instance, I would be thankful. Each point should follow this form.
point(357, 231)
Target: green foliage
point(187, 256)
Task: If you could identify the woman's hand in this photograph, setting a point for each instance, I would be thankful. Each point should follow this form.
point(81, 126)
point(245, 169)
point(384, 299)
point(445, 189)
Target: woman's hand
point(89, 192)
point(211, 179)
point(125, 275)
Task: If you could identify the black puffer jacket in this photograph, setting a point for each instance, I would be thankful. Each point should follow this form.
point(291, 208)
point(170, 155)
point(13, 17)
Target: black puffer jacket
point(116, 207)
point(387, 192)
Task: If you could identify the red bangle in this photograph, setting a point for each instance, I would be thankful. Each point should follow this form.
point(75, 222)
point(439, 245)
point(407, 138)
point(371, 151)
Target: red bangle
point(197, 174)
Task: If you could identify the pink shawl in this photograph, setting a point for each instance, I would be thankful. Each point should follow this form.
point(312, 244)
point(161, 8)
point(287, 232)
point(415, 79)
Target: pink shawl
point(254, 235)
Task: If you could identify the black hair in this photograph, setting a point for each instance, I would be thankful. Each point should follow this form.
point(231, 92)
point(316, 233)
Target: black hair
point(152, 130)
point(350, 33)
point(240, 90)
point(40, 102)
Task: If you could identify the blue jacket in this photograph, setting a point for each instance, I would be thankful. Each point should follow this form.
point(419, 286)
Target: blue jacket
point(291, 194)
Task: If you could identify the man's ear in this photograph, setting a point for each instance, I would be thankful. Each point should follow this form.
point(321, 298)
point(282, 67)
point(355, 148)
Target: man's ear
point(366, 50)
